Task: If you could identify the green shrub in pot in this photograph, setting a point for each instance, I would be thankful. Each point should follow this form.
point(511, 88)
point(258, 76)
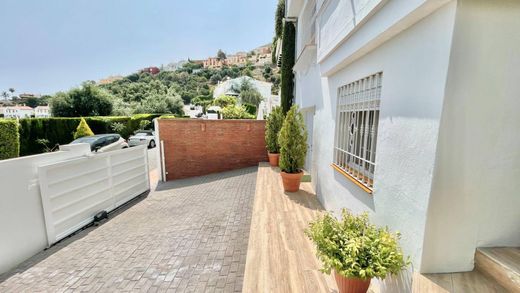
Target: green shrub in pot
point(273, 125)
point(354, 248)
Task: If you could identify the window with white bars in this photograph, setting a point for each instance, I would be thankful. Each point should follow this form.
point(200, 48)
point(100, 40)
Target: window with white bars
point(356, 129)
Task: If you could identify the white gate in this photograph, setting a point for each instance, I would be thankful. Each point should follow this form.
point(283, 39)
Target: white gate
point(73, 191)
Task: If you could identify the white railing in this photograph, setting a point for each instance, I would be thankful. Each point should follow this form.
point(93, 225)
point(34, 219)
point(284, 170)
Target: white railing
point(74, 191)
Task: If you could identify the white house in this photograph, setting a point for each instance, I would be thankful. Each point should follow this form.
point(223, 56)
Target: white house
point(412, 108)
point(18, 112)
point(42, 112)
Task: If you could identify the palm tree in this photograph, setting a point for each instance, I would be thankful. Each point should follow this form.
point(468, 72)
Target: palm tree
point(5, 95)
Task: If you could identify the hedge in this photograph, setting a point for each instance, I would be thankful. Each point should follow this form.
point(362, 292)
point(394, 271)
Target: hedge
point(9, 139)
point(58, 130)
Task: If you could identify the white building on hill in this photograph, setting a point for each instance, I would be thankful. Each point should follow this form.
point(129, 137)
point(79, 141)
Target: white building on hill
point(18, 112)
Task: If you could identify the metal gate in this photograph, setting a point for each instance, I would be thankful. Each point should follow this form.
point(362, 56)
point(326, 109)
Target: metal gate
point(73, 191)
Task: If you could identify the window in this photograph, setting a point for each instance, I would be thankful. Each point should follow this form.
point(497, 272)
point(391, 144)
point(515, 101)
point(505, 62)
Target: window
point(356, 130)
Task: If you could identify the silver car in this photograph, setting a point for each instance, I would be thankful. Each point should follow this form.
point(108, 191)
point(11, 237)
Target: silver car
point(103, 142)
point(142, 137)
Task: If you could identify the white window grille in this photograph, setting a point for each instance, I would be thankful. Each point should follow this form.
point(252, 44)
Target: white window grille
point(356, 129)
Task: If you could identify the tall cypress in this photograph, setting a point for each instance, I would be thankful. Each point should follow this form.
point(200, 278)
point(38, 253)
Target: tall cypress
point(288, 59)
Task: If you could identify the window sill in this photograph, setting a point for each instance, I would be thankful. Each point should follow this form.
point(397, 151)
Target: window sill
point(354, 180)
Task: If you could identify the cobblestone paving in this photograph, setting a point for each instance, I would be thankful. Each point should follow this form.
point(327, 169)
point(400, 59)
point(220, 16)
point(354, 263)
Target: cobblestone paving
point(188, 236)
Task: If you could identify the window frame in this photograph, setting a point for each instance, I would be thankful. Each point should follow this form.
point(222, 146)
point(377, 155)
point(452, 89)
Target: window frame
point(357, 125)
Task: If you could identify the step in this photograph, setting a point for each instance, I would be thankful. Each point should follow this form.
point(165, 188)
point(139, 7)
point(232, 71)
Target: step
point(501, 263)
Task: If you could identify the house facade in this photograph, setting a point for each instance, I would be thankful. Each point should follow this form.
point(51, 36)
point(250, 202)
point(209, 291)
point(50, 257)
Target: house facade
point(18, 112)
point(42, 112)
point(412, 114)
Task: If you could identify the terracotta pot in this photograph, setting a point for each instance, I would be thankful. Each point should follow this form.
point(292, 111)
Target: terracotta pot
point(351, 285)
point(291, 181)
point(273, 159)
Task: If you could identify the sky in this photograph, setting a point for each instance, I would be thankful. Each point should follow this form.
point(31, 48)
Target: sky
point(54, 45)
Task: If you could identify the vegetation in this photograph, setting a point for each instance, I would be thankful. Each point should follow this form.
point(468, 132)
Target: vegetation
point(355, 248)
point(272, 129)
point(9, 139)
point(86, 100)
point(288, 59)
point(278, 27)
point(57, 130)
point(224, 101)
point(293, 142)
point(236, 112)
point(83, 129)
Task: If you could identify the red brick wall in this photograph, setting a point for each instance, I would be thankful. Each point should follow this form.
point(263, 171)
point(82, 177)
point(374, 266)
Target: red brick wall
point(194, 147)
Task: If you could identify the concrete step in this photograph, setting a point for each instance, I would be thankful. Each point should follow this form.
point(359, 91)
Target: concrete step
point(502, 264)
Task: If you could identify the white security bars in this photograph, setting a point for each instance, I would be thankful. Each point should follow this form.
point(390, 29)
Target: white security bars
point(73, 191)
point(356, 128)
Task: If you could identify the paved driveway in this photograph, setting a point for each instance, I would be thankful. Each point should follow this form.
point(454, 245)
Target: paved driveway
point(189, 235)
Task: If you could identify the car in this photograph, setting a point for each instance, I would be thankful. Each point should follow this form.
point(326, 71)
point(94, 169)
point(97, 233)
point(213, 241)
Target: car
point(103, 142)
point(142, 137)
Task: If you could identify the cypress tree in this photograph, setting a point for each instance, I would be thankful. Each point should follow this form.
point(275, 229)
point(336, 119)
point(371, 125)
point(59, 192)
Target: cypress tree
point(287, 76)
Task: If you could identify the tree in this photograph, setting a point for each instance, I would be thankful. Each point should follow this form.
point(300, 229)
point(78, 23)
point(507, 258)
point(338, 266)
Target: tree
point(224, 101)
point(287, 78)
point(5, 95)
point(221, 55)
point(251, 96)
point(272, 129)
point(161, 104)
point(83, 129)
point(87, 100)
point(278, 27)
point(293, 142)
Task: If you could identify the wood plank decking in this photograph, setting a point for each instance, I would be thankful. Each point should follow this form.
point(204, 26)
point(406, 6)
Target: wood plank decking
point(280, 258)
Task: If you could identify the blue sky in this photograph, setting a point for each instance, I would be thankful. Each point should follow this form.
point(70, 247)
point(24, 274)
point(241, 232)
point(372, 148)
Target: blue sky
point(52, 45)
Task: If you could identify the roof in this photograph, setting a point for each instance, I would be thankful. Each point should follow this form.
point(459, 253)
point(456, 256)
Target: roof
point(20, 107)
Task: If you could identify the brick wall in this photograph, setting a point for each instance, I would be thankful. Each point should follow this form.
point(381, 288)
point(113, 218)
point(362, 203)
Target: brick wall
point(195, 147)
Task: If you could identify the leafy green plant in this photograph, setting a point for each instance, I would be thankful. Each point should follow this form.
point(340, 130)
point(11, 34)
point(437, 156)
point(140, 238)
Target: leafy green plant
point(143, 124)
point(9, 139)
point(355, 248)
point(273, 125)
point(293, 142)
point(83, 129)
point(224, 101)
point(251, 109)
point(236, 112)
point(117, 126)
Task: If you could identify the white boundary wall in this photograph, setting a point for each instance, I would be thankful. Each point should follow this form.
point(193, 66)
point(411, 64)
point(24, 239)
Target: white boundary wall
point(23, 231)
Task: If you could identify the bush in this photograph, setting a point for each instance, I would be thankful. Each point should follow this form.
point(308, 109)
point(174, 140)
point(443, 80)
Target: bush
point(236, 112)
point(224, 101)
point(9, 139)
point(57, 130)
point(83, 129)
point(272, 129)
point(251, 109)
point(354, 248)
point(293, 142)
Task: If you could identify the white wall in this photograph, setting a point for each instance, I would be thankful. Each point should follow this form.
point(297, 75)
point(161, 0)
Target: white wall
point(22, 226)
point(476, 192)
point(414, 64)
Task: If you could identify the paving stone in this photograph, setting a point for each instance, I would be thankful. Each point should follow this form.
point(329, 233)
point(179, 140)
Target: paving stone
point(189, 235)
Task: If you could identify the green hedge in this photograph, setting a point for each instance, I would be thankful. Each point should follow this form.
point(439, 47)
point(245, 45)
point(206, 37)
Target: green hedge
point(9, 139)
point(58, 130)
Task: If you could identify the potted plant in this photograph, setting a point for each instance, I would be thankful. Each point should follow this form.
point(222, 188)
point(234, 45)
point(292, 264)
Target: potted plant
point(356, 250)
point(272, 128)
point(293, 148)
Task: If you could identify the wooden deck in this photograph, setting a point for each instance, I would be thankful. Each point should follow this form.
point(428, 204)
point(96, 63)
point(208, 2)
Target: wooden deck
point(280, 258)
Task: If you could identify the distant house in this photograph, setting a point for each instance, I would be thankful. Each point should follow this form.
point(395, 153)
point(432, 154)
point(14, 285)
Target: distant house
point(152, 70)
point(213, 62)
point(18, 111)
point(42, 112)
point(226, 87)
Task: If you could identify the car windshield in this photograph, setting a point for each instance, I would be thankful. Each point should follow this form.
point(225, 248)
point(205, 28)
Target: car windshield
point(86, 139)
point(141, 134)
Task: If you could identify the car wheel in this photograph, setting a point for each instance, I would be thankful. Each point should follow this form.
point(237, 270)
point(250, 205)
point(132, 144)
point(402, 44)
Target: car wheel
point(151, 144)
